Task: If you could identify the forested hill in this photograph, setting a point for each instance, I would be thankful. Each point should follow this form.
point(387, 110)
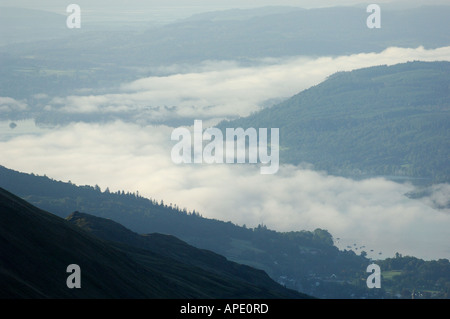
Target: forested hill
point(140, 214)
point(383, 120)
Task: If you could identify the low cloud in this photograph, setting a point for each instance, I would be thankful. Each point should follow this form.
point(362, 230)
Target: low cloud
point(8, 104)
point(435, 196)
point(215, 90)
point(375, 213)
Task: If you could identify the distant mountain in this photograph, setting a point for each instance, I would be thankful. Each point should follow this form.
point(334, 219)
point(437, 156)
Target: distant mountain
point(101, 59)
point(19, 25)
point(241, 14)
point(383, 120)
point(255, 33)
point(36, 248)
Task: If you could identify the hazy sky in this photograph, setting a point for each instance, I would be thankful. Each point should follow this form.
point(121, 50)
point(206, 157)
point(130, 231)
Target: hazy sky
point(162, 12)
point(198, 5)
point(180, 3)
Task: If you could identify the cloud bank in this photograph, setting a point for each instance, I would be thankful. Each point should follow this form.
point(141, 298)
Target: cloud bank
point(374, 212)
point(215, 90)
point(8, 104)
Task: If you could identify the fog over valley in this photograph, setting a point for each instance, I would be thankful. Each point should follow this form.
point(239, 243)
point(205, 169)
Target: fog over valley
point(375, 212)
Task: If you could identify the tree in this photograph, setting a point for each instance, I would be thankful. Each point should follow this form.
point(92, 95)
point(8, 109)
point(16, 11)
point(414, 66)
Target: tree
point(323, 236)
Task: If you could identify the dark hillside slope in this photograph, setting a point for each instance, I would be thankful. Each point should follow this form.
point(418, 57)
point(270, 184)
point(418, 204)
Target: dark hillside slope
point(174, 248)
point(36, 247)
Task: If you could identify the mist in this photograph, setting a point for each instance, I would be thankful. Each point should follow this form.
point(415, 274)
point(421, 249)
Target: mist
point(215, 90)
point(124, 156)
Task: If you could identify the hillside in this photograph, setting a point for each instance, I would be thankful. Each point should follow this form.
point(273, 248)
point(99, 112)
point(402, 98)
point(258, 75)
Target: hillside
point(383, 120)
point(173, 248)
point(39, 246)
point(297, 259)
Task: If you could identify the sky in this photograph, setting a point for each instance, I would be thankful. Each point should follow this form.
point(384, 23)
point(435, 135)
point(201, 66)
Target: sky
point(139, 14)
point(141, 4)
point(373, 212)
point(169, 10)
point(205, 3)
